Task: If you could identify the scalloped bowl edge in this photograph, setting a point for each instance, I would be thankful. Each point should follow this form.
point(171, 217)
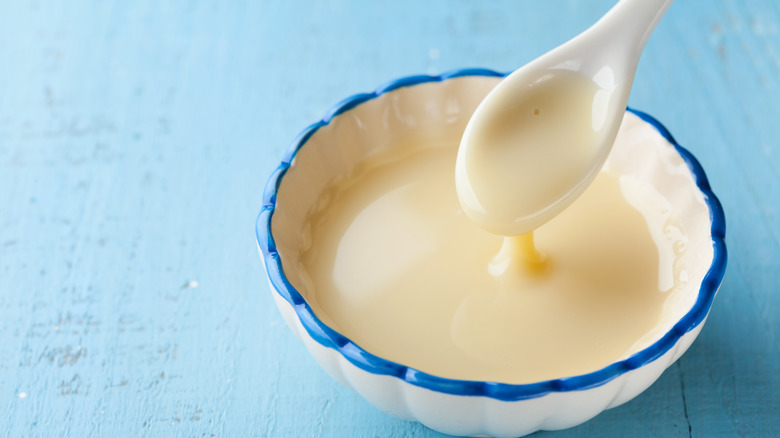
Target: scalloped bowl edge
point(466, 407)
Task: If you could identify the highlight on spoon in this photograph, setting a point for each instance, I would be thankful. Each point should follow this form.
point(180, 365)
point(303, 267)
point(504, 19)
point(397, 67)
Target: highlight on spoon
point(540, 137)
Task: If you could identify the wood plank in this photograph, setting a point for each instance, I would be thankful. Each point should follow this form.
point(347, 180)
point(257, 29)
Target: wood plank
point(136, 137)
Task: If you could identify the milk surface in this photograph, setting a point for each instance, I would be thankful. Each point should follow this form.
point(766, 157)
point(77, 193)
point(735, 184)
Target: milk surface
point(396, 265)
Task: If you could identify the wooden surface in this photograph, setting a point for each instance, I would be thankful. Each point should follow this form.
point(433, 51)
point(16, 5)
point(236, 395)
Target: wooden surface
point(135, 139)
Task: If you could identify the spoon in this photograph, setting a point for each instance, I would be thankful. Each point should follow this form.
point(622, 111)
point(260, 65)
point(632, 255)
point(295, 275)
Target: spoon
point(540, 137)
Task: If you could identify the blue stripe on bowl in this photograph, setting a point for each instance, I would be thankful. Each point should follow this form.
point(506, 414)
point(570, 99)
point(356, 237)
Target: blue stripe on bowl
point(501, 391)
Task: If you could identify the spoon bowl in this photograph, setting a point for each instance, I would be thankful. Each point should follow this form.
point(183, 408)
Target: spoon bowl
point(539, 138)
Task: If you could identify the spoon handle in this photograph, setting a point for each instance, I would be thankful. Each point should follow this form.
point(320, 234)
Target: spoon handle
point(625, 28)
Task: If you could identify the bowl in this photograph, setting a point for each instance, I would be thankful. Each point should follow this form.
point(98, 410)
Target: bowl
point(362, 125)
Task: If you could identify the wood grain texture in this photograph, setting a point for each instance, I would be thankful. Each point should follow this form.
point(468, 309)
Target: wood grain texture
point(135, 139)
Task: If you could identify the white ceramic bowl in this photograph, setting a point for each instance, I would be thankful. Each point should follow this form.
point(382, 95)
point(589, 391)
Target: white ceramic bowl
point(362, 125)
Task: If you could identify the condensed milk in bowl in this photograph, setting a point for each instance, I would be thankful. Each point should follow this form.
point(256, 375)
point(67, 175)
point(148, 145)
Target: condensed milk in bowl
point(399, 296)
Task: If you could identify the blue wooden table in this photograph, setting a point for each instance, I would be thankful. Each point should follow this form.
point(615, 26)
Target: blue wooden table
point(136, 137)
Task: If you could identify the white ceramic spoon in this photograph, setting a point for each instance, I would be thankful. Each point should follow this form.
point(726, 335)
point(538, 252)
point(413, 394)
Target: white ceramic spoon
point(541, 136)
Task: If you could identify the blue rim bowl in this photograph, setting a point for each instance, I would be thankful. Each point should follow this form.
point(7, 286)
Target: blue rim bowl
point(359, 357)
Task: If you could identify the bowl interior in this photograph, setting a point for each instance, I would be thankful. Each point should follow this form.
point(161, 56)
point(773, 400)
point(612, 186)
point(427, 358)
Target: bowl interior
point(442, 109)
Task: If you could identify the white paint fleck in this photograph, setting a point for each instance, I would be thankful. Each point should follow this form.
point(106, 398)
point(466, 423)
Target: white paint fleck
point(56, 328)
point(192, 284)
point(22, 395)
point(434, 54)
